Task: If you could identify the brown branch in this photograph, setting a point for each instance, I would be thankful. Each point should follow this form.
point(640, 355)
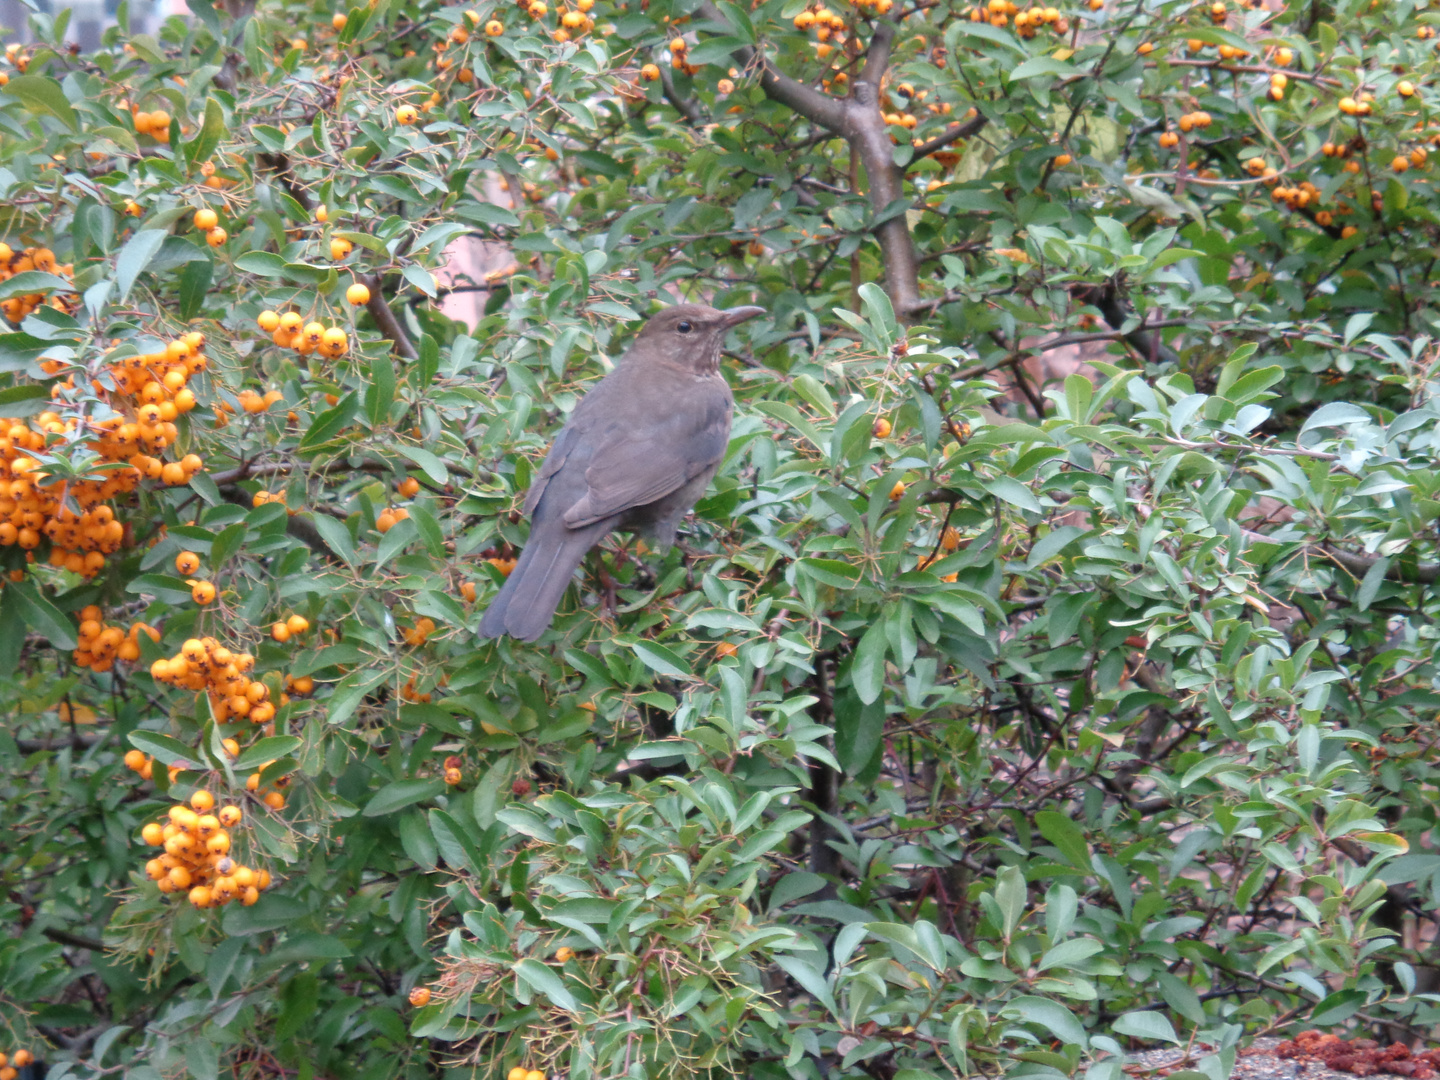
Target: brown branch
point(807, 101)
point(859, 119)
point(385, 318)
point(686, 107)
point(64, 937)
point(956, 131)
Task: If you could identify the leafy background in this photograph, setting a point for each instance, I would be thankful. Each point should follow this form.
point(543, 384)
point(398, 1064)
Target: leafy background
point(996, 713)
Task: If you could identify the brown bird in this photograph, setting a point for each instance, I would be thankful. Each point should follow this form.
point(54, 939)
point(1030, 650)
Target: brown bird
point(638, 451)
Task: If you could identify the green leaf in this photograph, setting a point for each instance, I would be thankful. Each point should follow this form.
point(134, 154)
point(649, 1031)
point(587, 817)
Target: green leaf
point(1043, 65)
point(261, 263)
point(1051, 1015)
point(267, 749)
point(422, 279)
point(211, 130)
point(43, 95)
point(336, 536)
point(661, 660)
point(135, 256)
point(1065, 835)
point(330, 423)
point(1010, 898)
point(164, 748)
point(42, 616)
point(454, 843)
point(350, 692)
point(1010, 490)
point(1146, 1025)
point(545, 981)
point(300, 947)
point(33, 281)
point(867, 669)
point(433, 468)
point(380, 393)
point(402, 793)
point(24, 400)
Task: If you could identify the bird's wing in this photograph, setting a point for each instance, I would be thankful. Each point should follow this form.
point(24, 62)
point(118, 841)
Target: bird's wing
point(554, 461)
point(631, 468)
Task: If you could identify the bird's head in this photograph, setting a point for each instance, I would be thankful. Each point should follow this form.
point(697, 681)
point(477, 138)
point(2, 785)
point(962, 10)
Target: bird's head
point(691, 334)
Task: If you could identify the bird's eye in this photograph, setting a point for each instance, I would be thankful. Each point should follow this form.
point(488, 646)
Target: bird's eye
point(683, 327)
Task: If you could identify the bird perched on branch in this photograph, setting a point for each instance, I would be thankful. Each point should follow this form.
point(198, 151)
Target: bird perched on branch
point(638, 451)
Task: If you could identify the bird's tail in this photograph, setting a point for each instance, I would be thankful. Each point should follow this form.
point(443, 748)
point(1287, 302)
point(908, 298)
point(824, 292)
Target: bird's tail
point(525, 605)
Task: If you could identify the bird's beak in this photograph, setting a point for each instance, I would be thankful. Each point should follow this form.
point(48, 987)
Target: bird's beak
point(736, 315)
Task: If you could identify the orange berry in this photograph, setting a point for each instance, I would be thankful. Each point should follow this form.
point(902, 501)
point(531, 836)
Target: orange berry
point(420, 996)
point(186, 563)
point(216, 236)
point(202, 592)
point(358, 294)
point(206, 219)
point(406, 114)
point(202, 801)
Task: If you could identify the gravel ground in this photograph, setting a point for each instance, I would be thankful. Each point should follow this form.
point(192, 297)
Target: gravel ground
point(1257, 1062)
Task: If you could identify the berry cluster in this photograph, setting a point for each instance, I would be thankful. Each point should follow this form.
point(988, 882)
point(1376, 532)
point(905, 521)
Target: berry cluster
point(72, 515)
point(43, 259)
point(196, 860)
point(272, 798)
point(205, 664)
point(13, 1062)
point(291, 331)
point(1028, 23)
point(100, 645)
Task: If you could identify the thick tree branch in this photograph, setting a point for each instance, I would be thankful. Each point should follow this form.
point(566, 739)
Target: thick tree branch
point(385, 318)
point(860, 120)
point(870, 142)
point(686, 107)
point(808, 102)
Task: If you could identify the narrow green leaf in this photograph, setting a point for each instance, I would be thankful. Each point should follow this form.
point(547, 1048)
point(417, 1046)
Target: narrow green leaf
point(135, 256)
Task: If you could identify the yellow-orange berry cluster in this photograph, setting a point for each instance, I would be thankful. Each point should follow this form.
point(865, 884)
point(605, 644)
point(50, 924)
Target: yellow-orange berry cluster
point(294, 626)
point(11, 1063)
point(196, 861)
point(1192, 120)
point(1296, 198)
point(100, 645)
point(16, 55)
point(453, 773)
point(391, 516)
point(205, 664)
point(155, 124)
point(272, 798)
point(32, 509)
point(418, 634)
point(252, 402)
point(144, 764)
point(408, 692)
point(1028, 23)
point(31, 258)
point(997, 13)
point(291, 331)
point(574, 21)
point(1357, 106)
